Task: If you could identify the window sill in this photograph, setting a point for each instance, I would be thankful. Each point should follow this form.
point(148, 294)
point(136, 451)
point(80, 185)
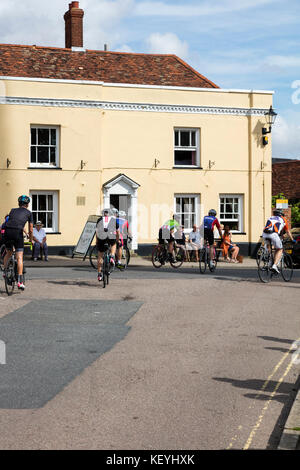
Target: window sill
point(44, 168)
point(187, 167)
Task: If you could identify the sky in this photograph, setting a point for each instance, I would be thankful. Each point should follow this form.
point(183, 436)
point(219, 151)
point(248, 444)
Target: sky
point(237, 44)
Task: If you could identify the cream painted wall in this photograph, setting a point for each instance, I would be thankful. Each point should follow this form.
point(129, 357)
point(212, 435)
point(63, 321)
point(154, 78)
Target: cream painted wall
point(113, 142)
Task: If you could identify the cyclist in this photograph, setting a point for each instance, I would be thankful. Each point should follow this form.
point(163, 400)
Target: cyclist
point(125, 234)
point(210, 221)
point(13, 236)
point(166, 232)
point(274, 229)
point(107, 233)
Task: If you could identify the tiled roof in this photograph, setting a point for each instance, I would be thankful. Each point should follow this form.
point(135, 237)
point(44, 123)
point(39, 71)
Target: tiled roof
point(286, 179)
point(109, 67)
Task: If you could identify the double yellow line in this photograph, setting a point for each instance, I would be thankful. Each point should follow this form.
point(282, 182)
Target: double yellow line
point(263, 388)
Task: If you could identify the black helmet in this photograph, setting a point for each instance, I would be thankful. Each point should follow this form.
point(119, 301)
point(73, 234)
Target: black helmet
point(212, 212)
point(278, 212)
point(23, 200)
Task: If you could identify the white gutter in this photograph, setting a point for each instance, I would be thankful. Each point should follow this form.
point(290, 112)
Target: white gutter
point(133, 85)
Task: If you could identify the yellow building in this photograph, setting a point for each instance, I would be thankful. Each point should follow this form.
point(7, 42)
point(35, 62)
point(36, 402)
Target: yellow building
point(82, 130)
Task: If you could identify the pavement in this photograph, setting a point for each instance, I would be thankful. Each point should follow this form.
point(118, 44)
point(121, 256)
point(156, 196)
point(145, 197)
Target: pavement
point(290, 439)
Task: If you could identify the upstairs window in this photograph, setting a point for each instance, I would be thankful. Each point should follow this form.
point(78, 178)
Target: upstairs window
point(44, 146)
point(186, 148)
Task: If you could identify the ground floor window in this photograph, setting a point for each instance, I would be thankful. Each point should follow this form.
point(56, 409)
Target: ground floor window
point(187, 210)
point(231, 211)
point(44, 207)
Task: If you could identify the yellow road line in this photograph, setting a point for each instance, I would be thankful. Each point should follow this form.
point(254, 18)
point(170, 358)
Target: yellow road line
point(265, 408)
point(264, 386)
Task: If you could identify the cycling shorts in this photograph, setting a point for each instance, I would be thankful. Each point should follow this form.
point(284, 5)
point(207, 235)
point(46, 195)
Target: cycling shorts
point(209, 236)
point(274, 239)
point(165, 235)
point(102, 244)
point(13, 238)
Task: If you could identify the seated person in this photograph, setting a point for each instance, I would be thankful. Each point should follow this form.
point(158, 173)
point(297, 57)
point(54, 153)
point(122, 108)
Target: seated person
point(181, 240)
point(195, 241)
point(229, 248)
point(39, 241)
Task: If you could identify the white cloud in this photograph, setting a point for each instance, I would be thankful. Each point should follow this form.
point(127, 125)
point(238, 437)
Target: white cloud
point(167, 43)
point(286, 136)
point(283, 62)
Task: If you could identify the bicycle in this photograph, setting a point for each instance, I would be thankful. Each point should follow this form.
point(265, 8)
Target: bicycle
point(11, 273)
point(204, 259)
point(93, 256)
point(106, 266)
point(266, 261)
point(160, 255)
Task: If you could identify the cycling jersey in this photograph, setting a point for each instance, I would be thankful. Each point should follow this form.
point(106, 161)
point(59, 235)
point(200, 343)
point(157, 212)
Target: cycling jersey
point(106, 228)
point(170, 225)
point(276, 224)
point(123, 226)
point(210, 222)
point(18, 218)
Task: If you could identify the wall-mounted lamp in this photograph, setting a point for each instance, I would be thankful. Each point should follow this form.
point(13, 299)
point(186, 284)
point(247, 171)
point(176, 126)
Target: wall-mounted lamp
point(156, 162)
point(8, 163)
point(211, 164)
point(270, 118)
point(82, 164)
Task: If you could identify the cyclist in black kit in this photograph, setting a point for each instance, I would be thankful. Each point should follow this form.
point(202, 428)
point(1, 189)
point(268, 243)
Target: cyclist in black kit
point(13, 235)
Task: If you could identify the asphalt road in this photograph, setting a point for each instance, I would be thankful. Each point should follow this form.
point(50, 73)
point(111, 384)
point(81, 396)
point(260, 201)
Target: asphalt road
point(160, 359)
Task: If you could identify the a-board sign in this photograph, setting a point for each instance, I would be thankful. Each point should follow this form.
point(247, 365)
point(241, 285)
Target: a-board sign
point(86, 237)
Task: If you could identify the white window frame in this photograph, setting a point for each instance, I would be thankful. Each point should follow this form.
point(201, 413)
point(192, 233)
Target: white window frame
point(54, 229)
point(240, 218)
point(57, 146)
point(195, 148)
point(197, 208)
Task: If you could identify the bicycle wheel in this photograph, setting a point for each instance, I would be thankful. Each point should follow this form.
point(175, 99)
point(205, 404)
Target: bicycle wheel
point(157, 256)
point(286, 267)
point(9, 278)
point(94, 257)
point(104, 270)
point(212, 267)
point(202, 260)
point(127, 255)
point(2, 254)
point(264, 267)
point(178, 256)
point(259, 253)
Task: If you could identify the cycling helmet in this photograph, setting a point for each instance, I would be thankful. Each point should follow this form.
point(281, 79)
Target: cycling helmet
point(23, 200)
point(278, 212)
point(212, 212)
point(115, 211)
point(106, 212)
point(122, 213)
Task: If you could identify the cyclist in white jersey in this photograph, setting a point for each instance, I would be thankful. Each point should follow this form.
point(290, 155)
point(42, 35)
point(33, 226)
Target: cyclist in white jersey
point(274, 229)
point(107, 233)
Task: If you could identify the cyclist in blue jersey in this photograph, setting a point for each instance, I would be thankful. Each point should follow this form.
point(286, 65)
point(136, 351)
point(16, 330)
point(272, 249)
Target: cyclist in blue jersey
point(210, 222)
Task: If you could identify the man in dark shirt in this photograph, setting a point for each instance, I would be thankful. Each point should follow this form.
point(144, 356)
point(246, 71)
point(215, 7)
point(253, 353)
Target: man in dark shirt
point(13, 236)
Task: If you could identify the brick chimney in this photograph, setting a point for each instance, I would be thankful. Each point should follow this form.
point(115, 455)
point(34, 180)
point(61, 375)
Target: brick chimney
point(74, 26)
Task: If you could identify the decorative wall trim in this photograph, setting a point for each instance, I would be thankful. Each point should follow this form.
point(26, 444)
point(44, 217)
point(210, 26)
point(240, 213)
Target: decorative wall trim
point(120, 106)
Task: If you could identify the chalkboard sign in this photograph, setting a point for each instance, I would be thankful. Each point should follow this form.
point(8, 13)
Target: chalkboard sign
point(86, 237)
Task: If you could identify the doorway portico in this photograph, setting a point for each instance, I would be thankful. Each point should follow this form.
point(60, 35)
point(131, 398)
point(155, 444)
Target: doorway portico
point(121, 193)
